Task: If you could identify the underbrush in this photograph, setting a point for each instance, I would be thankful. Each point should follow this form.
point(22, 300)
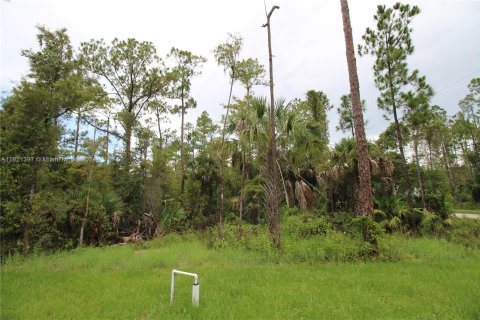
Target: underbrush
point(307, 238)
point(465, 232)
point(461, 231)
point(314, 242)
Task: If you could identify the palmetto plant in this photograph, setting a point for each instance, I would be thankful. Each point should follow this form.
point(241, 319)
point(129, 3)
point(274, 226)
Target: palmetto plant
point(300, 147)
point(170, 216)
point(341, 179)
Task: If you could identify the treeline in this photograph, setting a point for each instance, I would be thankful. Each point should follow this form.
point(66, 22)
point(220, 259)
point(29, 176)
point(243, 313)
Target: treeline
point(65, 184)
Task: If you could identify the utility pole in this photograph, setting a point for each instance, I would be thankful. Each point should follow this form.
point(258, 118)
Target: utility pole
point(271, 181)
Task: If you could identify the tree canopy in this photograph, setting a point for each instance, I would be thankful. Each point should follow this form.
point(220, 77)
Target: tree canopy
point(89, 157)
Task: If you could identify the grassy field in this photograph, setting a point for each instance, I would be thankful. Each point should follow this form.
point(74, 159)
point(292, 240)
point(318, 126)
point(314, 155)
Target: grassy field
point(439, 280)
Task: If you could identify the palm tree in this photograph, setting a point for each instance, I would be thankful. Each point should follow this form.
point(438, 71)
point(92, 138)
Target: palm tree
point(302, 145)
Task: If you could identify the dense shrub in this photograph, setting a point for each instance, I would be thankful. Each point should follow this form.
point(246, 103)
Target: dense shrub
point(440, 203)
point(340, 220)
point(431, 224)
point(368, 228)
point(412, 220)
point(476, 192)
point(307, 239)
point(304, 226)
point(287, 212)
point(465, 232)
point(342, 237)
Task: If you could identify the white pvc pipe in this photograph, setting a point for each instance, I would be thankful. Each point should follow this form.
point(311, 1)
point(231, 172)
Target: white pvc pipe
point(195, 286)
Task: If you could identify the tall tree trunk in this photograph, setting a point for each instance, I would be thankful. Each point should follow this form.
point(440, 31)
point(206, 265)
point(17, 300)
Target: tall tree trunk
point(451, 178)
point(27, 228)
point(404, 161)
point(271, 184)
point(365, 196)
point(242, 186)
point(128, 143)
point(455, 155)
point(400, 142)
point(419, 174)
point(157, 114)
point(474, 117)
point(288, 196)
point(463, 145)
point(430, 156)
point(87, 202)
point(474, 141)
point(356, 195)
point(77, 134)
point(222, 160)
point(454, 163)
point(182, 155)
point(108, 140)
point(84, 220)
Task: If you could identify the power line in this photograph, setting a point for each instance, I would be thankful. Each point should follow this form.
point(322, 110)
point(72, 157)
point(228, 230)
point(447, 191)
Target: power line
point(458, 81)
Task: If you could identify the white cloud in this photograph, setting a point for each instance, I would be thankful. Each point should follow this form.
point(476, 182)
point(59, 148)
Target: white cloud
point(307, 39)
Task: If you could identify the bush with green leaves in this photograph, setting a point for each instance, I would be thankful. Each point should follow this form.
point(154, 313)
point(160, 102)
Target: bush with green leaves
point(474, 183)
point(304, 226)
point(298, 246)
point(368, 228)
point(340, 220)
point(465, 232)
point(440, 203)
point(286, 212)
point(431, 224)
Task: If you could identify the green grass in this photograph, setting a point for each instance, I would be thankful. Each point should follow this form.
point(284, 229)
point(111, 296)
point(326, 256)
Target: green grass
point(439, 280)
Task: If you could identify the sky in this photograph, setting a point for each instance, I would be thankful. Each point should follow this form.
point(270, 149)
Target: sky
point(307, 39)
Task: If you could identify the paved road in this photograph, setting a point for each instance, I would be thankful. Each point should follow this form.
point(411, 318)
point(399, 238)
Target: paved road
point(467, 215)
